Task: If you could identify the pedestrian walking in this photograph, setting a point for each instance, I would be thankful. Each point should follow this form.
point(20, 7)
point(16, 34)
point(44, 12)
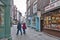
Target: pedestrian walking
point(19, 28)
point(24, 28)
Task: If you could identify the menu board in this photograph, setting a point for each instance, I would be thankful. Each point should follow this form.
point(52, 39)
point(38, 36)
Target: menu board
point(1, 16)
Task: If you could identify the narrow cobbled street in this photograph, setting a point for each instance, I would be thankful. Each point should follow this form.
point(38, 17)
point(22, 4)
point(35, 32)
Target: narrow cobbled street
point(31, 34)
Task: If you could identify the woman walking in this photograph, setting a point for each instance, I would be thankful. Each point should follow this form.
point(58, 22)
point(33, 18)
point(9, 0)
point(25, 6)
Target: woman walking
point(24, 28)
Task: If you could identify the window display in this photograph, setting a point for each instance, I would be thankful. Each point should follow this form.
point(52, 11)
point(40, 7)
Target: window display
point(52, 22)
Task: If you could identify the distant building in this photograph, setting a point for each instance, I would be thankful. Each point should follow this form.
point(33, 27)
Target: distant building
point(14, 14)
point(19, 15)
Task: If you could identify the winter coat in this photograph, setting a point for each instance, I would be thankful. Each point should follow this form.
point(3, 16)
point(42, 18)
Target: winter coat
point(23, 26)
point(19, 26)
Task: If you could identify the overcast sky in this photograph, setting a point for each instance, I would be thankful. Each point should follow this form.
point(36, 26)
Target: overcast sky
point(21, 5)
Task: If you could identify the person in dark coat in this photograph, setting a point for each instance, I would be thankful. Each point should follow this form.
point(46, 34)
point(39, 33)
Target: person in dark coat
point(19, 28)
point(24, 27)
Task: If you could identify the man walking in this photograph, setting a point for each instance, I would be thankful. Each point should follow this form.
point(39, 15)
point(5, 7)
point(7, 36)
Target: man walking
point(19, 28)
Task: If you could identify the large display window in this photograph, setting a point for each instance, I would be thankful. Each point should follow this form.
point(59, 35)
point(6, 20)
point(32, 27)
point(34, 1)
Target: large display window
point(52, 22)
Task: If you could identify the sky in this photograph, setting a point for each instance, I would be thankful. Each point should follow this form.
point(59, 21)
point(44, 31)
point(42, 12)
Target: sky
point(21, 6)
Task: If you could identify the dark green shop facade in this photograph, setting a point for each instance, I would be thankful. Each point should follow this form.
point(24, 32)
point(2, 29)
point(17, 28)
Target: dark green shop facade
point(5, 19)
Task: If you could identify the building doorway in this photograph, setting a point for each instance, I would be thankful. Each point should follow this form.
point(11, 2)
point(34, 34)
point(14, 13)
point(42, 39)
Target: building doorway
point(41, 25)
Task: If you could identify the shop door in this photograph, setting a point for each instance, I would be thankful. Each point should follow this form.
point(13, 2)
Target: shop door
point(41, 25)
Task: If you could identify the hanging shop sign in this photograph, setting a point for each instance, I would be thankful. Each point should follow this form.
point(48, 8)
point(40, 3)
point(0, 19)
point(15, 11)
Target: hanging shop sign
point(52, 6)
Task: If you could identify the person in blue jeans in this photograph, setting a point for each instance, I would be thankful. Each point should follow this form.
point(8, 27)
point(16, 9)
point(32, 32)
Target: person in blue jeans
point(19, 28)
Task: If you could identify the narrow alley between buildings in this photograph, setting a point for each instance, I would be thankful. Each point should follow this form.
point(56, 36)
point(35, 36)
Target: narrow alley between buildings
point(31, 34)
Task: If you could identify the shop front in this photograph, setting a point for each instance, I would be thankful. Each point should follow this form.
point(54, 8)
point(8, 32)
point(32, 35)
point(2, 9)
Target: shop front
point(52, 21)
point(5, 31)
point(34, 22)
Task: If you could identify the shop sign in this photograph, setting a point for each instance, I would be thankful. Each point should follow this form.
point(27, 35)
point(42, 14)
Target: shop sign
point(52, 6)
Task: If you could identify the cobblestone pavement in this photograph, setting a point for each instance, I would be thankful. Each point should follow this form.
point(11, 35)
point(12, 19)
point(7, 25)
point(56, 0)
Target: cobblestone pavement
point(31, 34)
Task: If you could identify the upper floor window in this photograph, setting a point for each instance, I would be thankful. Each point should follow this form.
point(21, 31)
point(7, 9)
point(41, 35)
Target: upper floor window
point(35, 8)
point(28, 2)
point(35, 2)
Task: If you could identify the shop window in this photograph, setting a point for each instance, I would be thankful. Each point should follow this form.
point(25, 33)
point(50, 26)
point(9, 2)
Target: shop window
point(34, 21)
point(29, 22)
point(53, 19)
point(52, 22)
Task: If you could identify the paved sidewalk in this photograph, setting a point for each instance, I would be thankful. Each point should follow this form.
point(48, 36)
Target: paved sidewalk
point(31, 35)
